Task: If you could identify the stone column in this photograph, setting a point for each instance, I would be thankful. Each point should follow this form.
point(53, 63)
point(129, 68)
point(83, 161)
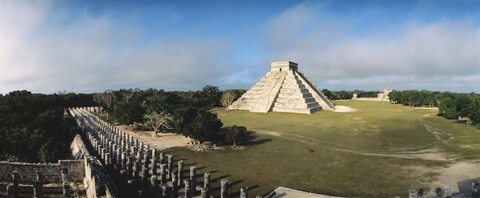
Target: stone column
point(162, 156)
point(118, 159)
point(108, 160)
point(188, 189)
point(153, 184)
point(224, 188)
point(11, 191)
point(174, 185)
point(66, 189)
point(180, 172)
point(64, 174)
point(38, 186)
point(15, 179)
point(102, 154)
point(123, 161)
point(244, 192)
point(136, 171)
point(139, 156)
point(154, 166)
point(206, 180)
point(165, 192)
point(193, 177)
point(163, 173)
point(37, 189)
point(170, 166)
point(154, 153)
point(205, 193)
point(145, 174)
point(130, 165)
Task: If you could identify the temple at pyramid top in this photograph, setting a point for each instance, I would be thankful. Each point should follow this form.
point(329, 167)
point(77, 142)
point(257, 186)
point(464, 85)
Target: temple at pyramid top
point(283, 89)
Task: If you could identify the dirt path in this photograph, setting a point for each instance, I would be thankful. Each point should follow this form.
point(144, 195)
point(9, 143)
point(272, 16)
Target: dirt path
point(344, 109)
point(439, 134)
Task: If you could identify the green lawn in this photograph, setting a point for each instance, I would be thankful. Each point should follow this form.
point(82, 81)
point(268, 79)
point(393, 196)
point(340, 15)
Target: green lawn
point(322, 152)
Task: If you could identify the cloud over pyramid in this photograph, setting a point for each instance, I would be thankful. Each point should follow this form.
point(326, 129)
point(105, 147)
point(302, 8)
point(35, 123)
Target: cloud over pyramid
point(283, 89)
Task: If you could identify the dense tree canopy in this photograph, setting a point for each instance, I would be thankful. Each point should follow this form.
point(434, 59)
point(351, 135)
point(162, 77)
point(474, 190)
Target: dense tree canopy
point(33, 127)
point(450, 105)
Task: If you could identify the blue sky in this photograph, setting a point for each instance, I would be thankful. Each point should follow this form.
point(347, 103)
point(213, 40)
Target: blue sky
point(91, 46)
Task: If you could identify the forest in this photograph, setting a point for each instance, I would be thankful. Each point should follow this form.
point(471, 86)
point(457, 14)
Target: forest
point(450, 105)
point(33, 127)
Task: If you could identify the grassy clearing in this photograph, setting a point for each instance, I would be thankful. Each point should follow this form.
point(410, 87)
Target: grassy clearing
point(322, 152)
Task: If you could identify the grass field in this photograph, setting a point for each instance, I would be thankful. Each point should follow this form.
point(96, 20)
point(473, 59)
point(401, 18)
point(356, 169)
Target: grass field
point(365, 153)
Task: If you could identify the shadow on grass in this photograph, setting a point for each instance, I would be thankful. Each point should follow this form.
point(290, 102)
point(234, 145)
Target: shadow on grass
point(200, 168)
point(251, 139)
point(248, 138)
point(190, 164)
point(253, 187)
point(235, 193)
point(219, 178)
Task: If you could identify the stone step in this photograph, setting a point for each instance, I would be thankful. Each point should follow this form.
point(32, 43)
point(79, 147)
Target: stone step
point(294, 95)
point(293, 90)
point(290, 100)
point(297, 105)
point(296, 110)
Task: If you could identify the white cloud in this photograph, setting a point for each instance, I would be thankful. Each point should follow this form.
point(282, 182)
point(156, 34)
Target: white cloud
point(410, 55)
point(89, 54)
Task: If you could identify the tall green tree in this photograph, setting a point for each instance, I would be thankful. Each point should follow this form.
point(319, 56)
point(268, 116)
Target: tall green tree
point(448, 108)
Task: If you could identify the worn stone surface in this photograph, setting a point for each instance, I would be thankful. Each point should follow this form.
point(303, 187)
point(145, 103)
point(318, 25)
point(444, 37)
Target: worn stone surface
point(283, 89)
point(51, 171)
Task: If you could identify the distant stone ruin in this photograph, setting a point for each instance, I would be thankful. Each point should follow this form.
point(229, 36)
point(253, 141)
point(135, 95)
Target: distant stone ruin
point(283, 89)
point(380, 96)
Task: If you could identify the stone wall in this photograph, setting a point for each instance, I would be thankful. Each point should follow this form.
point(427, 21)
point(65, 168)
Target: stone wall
point(51, 172)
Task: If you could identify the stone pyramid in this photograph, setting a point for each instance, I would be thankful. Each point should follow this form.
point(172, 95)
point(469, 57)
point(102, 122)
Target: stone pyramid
point(283, 89)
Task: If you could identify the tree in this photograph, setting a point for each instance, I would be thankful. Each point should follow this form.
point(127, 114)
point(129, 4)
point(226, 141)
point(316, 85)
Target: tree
point(463, 106)
point(235, 133)
point(128, 113)
point(159, 121)
point(227, 98)
point(447, 108)
point(210, 96)
point(328, 94)
point(105, 100)
point(197, 123)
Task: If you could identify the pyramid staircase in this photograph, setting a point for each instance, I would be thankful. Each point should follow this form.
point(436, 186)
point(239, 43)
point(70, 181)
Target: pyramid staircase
point(283, 89)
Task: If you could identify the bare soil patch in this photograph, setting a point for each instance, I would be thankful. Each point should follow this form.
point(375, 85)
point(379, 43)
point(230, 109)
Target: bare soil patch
point(344, 109)
point(161, 140)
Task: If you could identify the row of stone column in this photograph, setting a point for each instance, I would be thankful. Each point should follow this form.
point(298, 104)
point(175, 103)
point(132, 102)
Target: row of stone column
point(137, 163)
point(13, 189)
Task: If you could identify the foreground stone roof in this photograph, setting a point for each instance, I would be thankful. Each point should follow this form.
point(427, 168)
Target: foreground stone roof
point(283, 192)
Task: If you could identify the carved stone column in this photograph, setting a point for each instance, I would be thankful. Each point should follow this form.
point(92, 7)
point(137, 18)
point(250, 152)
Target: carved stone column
point(244, 192)
point(170, 166)
point(206, 180)
point(180, 173)
point(188, 188)
point(193, 177)
point(224, 188)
